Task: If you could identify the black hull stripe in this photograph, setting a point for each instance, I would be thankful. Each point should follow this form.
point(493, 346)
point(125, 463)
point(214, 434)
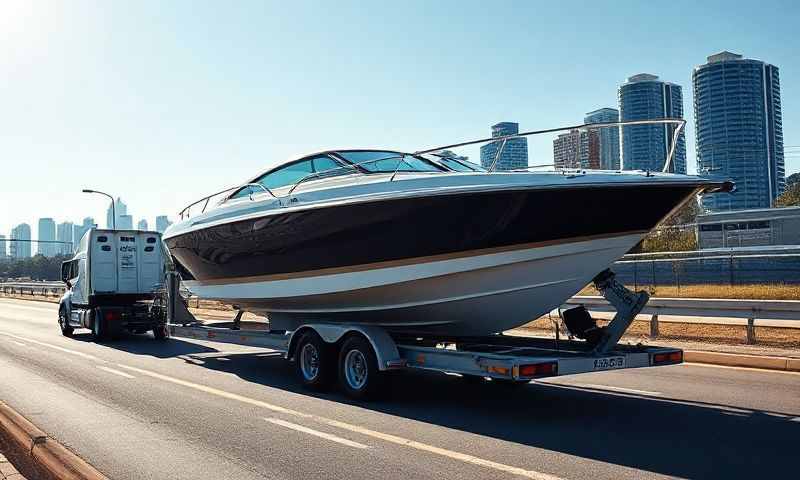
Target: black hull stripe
point(350, 236)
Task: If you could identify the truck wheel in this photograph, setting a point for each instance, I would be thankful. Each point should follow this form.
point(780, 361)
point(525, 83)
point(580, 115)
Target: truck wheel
point(315, 362)
point(63, 323)
point(160, 332)
point(99, 326)
point(359, 376)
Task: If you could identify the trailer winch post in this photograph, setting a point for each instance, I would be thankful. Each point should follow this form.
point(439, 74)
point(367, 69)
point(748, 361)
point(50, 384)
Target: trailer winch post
point(627, 303)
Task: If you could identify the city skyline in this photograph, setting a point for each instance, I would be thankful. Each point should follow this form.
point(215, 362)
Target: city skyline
point(67, 232)
point(160, 149)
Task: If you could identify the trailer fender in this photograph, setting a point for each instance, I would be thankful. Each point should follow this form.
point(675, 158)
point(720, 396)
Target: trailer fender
point(385, 349)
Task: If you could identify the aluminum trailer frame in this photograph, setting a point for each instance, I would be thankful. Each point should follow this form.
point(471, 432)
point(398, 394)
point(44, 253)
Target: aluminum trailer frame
point(507, 358)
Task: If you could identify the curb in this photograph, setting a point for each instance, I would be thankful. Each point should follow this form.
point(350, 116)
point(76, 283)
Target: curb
point(738, 360)
point(42, 450)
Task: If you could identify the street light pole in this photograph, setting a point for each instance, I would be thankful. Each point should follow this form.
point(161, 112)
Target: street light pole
point(113, 208)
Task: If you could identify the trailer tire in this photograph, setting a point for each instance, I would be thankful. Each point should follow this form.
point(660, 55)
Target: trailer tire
point(359, 376)
point(63, 323)
point(315, 362)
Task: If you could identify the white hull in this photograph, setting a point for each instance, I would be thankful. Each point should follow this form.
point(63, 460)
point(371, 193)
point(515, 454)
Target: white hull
point(473, 295)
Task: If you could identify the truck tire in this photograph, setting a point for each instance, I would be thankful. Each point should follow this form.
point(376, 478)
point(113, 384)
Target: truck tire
point(160, 332)
point(359, 376)
point(99, 326)
point(315, 362)
point(63, 323)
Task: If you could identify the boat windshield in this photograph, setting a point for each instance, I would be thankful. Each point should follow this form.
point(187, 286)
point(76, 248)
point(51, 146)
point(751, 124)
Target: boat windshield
point(460, 165)
point(377, 161)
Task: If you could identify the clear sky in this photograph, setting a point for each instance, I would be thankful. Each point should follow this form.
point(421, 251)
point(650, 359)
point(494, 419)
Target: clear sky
point(162, 102)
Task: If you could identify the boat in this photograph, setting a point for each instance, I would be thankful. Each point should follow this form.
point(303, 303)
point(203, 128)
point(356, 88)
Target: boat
point(414, 245)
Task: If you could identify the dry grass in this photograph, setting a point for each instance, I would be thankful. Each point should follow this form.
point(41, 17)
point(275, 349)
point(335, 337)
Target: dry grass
point(754, 292)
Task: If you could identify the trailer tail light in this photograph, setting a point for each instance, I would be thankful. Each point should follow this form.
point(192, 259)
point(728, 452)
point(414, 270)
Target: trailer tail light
point(670, 357)
point(538, 369)
point(112, 315)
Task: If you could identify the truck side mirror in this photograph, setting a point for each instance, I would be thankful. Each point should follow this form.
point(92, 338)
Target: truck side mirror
point(65, 271)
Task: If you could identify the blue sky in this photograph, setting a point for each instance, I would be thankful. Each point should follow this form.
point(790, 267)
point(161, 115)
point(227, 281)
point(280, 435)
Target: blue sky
point(162, 102)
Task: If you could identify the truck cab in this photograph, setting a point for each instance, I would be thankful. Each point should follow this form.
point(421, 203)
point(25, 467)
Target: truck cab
point(111, 283)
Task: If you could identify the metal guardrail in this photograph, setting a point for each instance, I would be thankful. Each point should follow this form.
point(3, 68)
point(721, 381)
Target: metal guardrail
point(44, 289)
point(704, 307)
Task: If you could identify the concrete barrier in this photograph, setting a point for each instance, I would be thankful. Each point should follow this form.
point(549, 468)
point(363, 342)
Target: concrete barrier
point(44, 452)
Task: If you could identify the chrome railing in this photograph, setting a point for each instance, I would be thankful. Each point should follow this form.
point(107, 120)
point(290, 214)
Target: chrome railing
point(678, 122)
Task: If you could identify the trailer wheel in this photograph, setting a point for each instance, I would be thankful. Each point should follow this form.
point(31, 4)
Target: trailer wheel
point(314, 360)
point(63, 323)
point(359, 376)
point(99, 326)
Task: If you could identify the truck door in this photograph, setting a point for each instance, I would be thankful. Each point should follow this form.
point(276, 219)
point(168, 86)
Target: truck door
point(104, 263)
point(150, 261)
point(127, 263)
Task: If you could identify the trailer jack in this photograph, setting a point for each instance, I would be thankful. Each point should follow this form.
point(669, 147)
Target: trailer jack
point(627, 303)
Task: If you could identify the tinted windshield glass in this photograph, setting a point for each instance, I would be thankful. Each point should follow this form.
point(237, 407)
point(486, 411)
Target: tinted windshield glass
point(460, 165)
point(380, 161)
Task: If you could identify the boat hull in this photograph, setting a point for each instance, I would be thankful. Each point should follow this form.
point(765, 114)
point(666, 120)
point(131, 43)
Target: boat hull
point(462, 263)
point(475, 295)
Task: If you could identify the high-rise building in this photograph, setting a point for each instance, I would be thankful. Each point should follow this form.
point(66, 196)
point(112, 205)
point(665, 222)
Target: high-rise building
point(645, 147)
point(120, 209)
point(79, 230)
point(609, 136)
point(738, 128)
point(64, 234)
point(47, 237)
point(577, 149)
point(3, 248)
point(22, 248)
point(162, 223)
point(513, 155)
point(125, 222)
point(142, 225)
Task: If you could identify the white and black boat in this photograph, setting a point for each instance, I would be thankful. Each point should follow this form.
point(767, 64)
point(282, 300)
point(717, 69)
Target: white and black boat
point(417, 243)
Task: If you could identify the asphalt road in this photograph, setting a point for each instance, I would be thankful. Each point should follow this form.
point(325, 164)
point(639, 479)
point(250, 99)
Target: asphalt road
point(139, 409)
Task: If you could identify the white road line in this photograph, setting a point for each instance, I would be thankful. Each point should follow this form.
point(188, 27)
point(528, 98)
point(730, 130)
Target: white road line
point(115, 372)
point(54, 347)
point(18, 343)
point(613, 389)
point(316, 433)
point(353, 428)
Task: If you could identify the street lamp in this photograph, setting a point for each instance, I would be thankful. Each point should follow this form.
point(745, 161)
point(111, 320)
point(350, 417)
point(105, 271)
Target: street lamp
point(113, 210)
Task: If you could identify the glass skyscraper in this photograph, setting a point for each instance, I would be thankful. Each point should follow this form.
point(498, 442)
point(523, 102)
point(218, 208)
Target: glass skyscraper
point(737, 113)
point(47, 235)
point(515, 152)
point(21, 249)
point(609, 136)
point(645, 147)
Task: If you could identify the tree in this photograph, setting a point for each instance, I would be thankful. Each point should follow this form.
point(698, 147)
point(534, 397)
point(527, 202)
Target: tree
point(790, 196)
point(675, 234)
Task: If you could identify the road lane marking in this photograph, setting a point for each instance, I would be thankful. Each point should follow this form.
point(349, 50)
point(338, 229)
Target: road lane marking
point(613, 389)
point(18, 343)
point(316, 433)
point(532, 474)
point(746, 369)
point(55, 347)
point(463, 457)
point(115, 372)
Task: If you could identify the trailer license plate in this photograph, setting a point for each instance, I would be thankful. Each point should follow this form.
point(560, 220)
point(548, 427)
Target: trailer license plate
point(609, 363)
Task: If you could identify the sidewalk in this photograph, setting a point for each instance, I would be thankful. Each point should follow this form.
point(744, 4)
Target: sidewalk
point(7, 471)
